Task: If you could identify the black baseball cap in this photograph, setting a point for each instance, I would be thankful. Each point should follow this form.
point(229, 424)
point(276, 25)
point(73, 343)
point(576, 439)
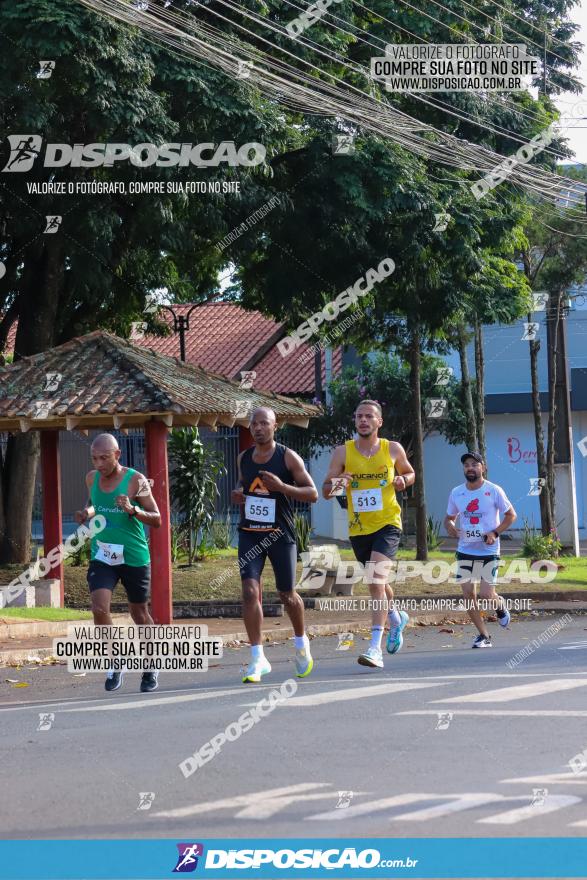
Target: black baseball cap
point(475, 455)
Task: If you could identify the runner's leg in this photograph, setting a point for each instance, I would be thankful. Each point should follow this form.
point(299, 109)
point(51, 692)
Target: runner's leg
point(487, 591)
point(251, 560)
point(465, 576)
point(283, 558)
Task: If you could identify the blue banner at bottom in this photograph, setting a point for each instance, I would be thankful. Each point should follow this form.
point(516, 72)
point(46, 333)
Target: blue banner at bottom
point(305, 858)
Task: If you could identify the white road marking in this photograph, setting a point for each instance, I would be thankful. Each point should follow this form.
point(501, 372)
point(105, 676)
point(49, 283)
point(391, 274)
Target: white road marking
point(552, 803)
point(357, 693)
point(266, 802)
point(574, 647)
point(456, 803)
point(453, 803)
point(398, 800)
point(569, 778)
point(517, 692)
point(153, 701)
point(505, 713)
point(10, 706)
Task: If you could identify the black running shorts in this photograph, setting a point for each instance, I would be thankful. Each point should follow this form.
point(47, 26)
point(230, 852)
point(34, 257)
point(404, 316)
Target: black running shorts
point(385, 540)
point(253, 550)
point(136, 579)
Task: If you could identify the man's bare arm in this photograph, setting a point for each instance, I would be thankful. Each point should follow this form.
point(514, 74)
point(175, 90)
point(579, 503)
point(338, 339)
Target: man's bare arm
point(336, 469)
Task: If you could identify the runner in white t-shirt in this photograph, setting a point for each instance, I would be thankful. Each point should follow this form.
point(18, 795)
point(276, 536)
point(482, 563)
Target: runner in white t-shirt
point(478, 504)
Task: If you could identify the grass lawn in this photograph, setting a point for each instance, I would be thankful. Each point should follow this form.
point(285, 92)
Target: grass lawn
point(44, 614)
point(197, 582)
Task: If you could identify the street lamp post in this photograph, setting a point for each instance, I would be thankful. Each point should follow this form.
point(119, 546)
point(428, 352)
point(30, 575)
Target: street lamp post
point(181, 324)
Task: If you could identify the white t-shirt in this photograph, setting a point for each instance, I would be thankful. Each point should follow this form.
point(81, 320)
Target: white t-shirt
point(478, 511)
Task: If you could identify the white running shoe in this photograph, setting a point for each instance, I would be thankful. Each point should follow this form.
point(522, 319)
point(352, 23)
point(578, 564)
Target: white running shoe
point(304, 662)
point(371, 657)
point(482, 642)
point(256, 669)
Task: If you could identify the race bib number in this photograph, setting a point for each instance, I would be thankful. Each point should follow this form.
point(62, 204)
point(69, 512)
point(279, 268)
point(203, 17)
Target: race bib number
point(367, 499)
point(111, 554)
point(472, 534)
point(260, 510)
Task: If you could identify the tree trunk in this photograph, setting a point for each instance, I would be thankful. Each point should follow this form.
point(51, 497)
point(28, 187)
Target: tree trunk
point(480, 382)
point(471, 438)
point(419, 496)
point(546, 517)
point(41, 285)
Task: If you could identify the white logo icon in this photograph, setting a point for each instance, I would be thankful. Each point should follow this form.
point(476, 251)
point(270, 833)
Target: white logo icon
point(538, 797)
point(42, 408)
point(244, 69)
point(52, 381)
point(146, 799)
point(24, 149)
point(539, 301)
point(444, 719)
point(343, 144)
point(46, 69)
point(46, 719)
point(442, 221)
point(243, 408)
point(53, 223)
point(530, 331)
point(345, 641)
point(344, 800)
point(443, 375)
point(151, 305)
point(247, 379)
point(436, 408)
point(145, 487)
point(536, 485)
point(138, 329)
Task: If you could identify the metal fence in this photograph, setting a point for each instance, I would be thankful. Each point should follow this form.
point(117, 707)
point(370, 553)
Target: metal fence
point(76, 462)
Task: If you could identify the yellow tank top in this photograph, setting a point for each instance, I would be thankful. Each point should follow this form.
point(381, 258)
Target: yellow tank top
point(372, 502)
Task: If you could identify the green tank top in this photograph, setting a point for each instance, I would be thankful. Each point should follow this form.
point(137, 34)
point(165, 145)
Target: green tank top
point(120, 527)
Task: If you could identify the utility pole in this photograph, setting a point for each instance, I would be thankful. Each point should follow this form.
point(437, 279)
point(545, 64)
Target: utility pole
point(565, 509)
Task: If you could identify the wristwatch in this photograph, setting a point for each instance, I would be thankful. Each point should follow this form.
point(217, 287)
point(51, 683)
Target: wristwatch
point(134, 511)
point(496, 533)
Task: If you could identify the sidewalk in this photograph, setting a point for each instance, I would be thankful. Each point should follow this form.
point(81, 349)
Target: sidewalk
point(29, 641)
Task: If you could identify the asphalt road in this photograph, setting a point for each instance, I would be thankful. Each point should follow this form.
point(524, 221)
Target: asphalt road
point(444, 742)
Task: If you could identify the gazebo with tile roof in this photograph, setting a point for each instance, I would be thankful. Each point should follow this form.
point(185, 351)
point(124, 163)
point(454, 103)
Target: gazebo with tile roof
point(101, 381)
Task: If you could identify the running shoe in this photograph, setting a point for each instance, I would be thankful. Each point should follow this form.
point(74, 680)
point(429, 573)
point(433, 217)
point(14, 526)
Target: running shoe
point(304, 662)
point(149, 682)
point(256, 669)
point(482, 642)
point(113, 680)
point(394, 637)
point(504, 617)
point(372, 657)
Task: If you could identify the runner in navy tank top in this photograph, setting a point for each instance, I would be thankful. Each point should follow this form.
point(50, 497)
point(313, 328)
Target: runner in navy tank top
point(271, 476)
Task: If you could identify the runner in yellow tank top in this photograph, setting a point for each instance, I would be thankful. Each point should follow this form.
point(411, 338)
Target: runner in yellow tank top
point(372, 469)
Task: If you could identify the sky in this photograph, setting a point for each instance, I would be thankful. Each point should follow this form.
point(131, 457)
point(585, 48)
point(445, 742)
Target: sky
point(577, 138)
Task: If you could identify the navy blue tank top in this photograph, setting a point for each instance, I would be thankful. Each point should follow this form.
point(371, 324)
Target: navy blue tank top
point(266, 511)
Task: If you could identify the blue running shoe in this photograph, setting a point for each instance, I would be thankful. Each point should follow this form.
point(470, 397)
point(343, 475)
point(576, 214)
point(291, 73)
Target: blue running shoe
point(504, 617)
point(394, 637)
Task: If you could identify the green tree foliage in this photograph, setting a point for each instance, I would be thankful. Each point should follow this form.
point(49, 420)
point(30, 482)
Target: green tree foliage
point(196, 471)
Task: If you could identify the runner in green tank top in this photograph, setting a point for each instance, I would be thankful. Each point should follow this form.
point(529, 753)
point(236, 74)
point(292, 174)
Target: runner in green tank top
point(123, 497)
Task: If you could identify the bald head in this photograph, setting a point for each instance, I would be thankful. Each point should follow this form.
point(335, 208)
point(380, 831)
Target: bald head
point(262, 425)
point(105, 454)
point(105, 443)
point(264, 412)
